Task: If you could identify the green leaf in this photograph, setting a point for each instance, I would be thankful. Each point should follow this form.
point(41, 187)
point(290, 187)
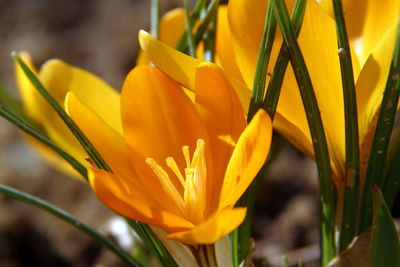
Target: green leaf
point(153, 243)
point(98, 237)
point(377, 159)
point(385, 241)
point(350, 207)
point(392, 171)
point(189, 32)
point(327, 188)
point(275, 83)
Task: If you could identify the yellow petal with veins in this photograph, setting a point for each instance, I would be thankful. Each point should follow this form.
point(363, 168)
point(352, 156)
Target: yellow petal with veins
point(212, 229)
point(247, 159)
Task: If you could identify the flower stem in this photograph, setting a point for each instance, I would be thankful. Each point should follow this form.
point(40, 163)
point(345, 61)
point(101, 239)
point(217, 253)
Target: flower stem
point(327, 188)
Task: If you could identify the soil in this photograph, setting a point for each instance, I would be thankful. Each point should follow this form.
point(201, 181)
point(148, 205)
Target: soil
point(101, 36)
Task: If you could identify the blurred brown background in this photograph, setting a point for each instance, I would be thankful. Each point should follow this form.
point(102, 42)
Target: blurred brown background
point(101, 36)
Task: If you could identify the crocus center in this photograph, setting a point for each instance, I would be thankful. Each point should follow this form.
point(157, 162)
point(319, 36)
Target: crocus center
point(192, 202)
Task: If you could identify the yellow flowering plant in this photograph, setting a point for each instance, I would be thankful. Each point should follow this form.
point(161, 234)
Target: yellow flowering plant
point(174, 152)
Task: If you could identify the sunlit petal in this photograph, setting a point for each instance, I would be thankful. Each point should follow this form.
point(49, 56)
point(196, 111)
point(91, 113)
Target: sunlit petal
point(215, 227)
point(247, 159)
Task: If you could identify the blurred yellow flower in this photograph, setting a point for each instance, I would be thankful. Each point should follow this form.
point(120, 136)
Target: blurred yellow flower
point(58, 78)
point(318, 43)
point(177, 165)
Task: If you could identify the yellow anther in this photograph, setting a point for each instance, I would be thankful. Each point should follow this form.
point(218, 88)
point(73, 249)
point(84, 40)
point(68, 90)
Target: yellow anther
point(186, 154)
point(171, 163)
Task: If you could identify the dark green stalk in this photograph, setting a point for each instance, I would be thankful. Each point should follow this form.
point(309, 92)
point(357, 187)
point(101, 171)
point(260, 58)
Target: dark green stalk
point(189, 31)
point(98, 237)
point(377, 159)
point(153, 243)
point(209, 40)
point(203, 27)
point(327, 188)
point(13, 105)
point(89, 148)
point(275, 83)
point(24, 126)
point(350, 203)
point(182, 43)
point(155, 18)
point(392, 171)
point(248, 198)
point(257, 93)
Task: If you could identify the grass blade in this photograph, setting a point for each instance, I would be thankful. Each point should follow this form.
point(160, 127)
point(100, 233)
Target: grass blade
point(350, 203)
point(257, 93)
point(384, 238)
point(392, 171)
point(98, 237)
point(275, 83)
point(328, 194)
point(24, 126)
point(189, 31)
point(248, 198)
point(384, 126)
point(153, 243)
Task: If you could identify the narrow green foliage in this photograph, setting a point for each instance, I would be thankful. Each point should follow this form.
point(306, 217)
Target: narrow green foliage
point(235, 247)
point(182, 43)
point(257, 93)
point(285, 262)
point(275, 83)
point(327, 188)
point(27, 128)
point(99, 238)
point(189, 31)
point(392, 171)
point(248, 198)
point(155, 18)
point(209, 40)
point(89, 148)
point(384, 239)
point(350, 208)
point(210, 13)
point(153, 243)
point(377, 159)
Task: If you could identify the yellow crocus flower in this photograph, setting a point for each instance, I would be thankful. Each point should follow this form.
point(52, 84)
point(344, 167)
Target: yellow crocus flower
point(178, 165)
point(318, 43)
point(58, 78)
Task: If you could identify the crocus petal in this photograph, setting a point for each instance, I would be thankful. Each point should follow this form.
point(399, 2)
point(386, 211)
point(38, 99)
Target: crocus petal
point(247, 158)
point(169, 60)
point(59, 78)
point(223, 115)
point(369, 90)
point(33, 102)
point(109, 143)
point(181, 67)
point(381, 14)
point(224, 46)
point(212, 229)
point(172, 25)
point(122, 197)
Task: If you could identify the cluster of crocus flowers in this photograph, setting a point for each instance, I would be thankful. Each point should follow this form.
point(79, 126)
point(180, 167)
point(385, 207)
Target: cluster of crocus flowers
point(176, 164)
point(371, 50)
